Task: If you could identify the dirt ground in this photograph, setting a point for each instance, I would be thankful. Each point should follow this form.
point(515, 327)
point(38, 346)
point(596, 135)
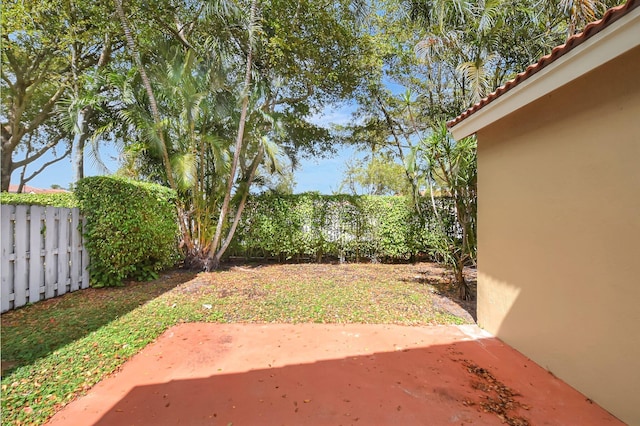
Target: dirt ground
point(445, 296)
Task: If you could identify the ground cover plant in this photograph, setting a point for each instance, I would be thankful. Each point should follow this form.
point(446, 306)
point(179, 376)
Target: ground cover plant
point(44, 375)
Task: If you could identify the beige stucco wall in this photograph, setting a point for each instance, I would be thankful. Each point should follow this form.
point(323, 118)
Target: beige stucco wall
point(559, 233)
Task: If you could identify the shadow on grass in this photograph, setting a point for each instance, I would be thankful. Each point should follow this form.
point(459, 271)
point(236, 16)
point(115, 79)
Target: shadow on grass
point(35, 331)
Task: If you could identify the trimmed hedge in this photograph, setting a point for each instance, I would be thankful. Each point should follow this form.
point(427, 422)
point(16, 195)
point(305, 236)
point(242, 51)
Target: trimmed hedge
point(58, 199)
point(338, 226)
point(131, 229)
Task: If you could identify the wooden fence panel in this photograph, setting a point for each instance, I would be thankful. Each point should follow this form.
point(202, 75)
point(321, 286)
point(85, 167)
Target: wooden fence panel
point(36, 253)
point(63, 250)
point(21, 248)
point(6, 257)
point(42, 254)
point(51, 253)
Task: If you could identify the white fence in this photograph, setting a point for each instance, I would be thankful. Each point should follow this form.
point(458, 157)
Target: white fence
point(43, 254)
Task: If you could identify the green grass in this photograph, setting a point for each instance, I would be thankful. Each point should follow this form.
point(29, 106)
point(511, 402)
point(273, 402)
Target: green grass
point(58, 349)
point(37, 330)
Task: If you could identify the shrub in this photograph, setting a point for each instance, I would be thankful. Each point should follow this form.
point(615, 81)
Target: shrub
point(58, 199)
point(131, 229)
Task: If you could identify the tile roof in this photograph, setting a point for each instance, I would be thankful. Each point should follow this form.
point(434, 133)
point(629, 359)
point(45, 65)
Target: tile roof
point(589, 31)
point(33, 190)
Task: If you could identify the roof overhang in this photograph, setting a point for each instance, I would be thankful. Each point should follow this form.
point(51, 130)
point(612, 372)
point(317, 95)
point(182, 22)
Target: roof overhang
point(604, 46)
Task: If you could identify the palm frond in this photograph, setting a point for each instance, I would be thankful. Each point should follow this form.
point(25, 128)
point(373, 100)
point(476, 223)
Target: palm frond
point(476, 75)
point(272, 152)
point(184, 166)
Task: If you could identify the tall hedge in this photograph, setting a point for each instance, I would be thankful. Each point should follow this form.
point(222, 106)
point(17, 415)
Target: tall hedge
point(56, 199)
point(131, 229)
point(339, 226)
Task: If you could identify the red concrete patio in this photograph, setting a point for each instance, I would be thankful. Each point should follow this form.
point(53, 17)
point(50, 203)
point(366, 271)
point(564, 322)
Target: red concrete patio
point(317, 374)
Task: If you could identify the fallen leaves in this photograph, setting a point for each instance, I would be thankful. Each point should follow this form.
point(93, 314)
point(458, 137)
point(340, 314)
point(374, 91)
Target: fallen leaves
point(321, 293)
point(499, 399)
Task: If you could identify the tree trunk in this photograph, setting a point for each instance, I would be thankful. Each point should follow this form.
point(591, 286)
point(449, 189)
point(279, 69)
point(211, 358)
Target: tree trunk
point(81, 133)
point(154, 109)
point(236, 220)
point(7, 168)
point(214, 259)
point(463, 288)
point(79, 141)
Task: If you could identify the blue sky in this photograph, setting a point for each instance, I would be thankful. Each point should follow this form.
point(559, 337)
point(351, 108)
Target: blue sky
point(323, 175)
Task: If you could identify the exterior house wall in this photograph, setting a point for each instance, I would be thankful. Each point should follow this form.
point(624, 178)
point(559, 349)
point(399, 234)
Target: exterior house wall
point(559, 233)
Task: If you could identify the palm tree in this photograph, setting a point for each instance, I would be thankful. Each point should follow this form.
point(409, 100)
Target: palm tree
point(215, 253)
point(131, 43)
point(452, 166)
point(460, 39)
point(193, 103)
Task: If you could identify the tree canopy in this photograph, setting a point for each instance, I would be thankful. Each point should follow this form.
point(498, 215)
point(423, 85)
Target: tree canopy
point(212, 97)
point(435, 58)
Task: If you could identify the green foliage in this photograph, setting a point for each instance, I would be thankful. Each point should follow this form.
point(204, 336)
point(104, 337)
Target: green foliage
point(50, 51)
point(251, 72)
point(378, 175)
point(131, 229)
point(61, 199)
point(339, 226)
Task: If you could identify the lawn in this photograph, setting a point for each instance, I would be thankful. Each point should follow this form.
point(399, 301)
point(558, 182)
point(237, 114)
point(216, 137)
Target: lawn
point(55, 350)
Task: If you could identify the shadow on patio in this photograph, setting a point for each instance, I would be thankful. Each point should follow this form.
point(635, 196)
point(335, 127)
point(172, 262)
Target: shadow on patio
point(331, 374)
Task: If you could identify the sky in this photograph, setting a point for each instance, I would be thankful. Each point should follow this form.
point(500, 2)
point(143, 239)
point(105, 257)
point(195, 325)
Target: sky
point(323, 175)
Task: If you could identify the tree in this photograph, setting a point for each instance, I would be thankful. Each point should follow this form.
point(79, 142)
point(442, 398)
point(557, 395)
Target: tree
point(293, 77)
point(580, 13)
point(216, 253)
point(85, 100)
point(380, 175)
point(131, 43)
point(266, 75)
point(452, 167)
point(190, 117)
point(446, 55)
point(48, 47)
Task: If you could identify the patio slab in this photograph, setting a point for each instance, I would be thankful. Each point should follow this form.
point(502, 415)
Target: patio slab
point(318, 374)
